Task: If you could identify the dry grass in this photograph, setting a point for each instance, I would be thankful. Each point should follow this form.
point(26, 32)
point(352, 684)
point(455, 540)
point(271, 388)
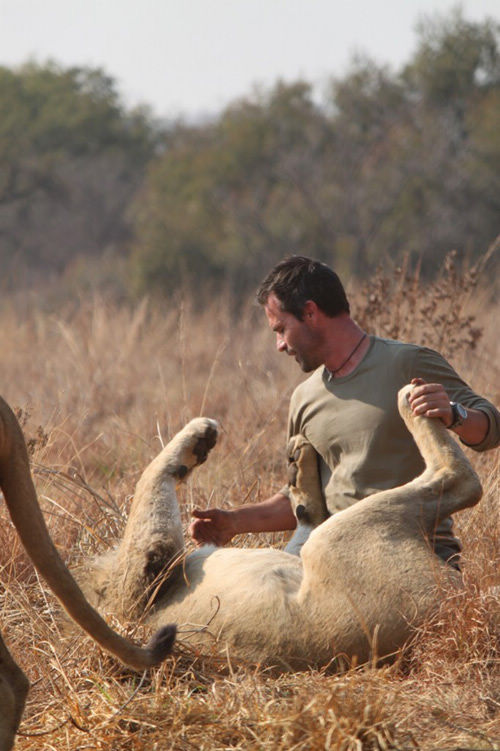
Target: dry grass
point(101, 388)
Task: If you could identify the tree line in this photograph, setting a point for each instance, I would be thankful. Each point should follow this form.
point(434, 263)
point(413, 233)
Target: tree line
point(388, 163)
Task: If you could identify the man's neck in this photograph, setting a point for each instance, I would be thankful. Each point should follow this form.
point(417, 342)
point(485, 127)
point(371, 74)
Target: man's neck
point(346, 345)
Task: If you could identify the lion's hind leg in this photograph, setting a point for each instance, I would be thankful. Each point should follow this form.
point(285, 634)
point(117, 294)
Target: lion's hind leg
point(448, 483)
point(153, 541)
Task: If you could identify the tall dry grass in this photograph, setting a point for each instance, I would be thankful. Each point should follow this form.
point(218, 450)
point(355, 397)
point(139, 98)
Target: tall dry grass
point(100, 388)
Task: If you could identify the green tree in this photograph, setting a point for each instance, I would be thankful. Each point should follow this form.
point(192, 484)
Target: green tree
point(392, 163)
point(230, 198)
point(70, 159)
point(455, 58)
point(412, 148)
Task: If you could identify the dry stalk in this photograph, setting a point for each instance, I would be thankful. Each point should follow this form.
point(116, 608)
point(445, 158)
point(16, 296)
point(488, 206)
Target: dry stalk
point(97, 385)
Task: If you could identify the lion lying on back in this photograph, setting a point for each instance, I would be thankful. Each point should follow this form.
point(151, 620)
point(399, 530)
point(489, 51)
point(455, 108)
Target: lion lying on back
point(364, 579)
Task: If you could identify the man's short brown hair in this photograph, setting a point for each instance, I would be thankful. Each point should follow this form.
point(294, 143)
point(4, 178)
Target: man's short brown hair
point(297, 279)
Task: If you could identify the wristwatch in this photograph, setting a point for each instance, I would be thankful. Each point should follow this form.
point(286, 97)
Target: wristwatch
point(459, 415)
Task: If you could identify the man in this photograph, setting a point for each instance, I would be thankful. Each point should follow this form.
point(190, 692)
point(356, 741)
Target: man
point(347, 408)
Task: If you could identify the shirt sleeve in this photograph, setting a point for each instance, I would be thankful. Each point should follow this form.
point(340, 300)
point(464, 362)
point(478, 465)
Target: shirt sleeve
point(432, 367)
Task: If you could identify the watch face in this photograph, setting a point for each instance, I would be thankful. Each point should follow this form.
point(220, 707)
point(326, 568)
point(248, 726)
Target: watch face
point(462, 412)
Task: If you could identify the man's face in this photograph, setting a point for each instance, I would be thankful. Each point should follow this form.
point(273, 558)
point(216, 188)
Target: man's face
point(296, 338)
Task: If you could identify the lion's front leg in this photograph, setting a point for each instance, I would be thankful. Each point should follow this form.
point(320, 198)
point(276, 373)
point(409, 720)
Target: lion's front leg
point(153, 540)
point(305, 491)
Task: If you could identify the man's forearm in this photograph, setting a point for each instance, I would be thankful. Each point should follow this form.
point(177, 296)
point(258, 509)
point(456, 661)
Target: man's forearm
point(475, 427)
point(432, 400)
point(272, 515)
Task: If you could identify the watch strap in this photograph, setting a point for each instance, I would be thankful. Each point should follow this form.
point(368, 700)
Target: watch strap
point(457, 415)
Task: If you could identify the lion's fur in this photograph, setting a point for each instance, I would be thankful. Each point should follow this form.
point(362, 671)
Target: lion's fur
point(364, 579)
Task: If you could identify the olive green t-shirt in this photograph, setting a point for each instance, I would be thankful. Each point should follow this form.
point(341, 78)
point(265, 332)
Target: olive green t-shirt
point(353, 421)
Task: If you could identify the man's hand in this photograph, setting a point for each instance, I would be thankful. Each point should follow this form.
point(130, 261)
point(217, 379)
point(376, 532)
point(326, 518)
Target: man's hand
point(431, 400)
point(212, 526)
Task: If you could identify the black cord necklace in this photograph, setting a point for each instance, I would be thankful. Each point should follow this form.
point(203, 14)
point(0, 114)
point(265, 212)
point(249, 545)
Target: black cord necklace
point(333, 373)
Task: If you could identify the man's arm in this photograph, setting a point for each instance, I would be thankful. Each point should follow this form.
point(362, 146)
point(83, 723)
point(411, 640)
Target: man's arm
point(431, 400)
point(218, 526)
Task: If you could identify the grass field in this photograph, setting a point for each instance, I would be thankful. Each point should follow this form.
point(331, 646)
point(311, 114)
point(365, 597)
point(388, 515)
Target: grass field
point(99, 389)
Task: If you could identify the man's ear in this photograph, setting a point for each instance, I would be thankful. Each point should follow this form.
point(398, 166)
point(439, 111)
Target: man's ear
point(310, 311)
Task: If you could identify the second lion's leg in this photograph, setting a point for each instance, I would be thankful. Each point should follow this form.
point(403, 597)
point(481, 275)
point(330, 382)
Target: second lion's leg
point(13, 691)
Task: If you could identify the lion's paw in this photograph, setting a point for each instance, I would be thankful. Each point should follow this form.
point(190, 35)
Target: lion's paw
point(191, 446)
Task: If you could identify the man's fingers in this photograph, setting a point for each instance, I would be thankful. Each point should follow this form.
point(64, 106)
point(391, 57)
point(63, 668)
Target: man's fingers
point(198, 532)
point(417, 381)
point(436, 412)
point(430, 402)
point(425, 388)
point(206, 513)
point(211, 525)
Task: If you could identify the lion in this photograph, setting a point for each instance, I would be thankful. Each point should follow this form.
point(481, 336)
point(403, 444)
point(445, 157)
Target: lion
point(21, 500)
point(350, 588)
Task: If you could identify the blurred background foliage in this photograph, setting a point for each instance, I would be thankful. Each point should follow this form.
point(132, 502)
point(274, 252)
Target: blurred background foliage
point(388, 165)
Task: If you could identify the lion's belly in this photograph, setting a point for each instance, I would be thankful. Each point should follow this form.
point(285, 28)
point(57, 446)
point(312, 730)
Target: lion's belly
point(242, 597)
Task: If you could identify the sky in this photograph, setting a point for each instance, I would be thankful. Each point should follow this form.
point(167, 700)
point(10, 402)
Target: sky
point(190, 58)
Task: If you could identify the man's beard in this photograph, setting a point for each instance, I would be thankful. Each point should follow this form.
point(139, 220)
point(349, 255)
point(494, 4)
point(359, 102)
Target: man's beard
point(306, 365)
